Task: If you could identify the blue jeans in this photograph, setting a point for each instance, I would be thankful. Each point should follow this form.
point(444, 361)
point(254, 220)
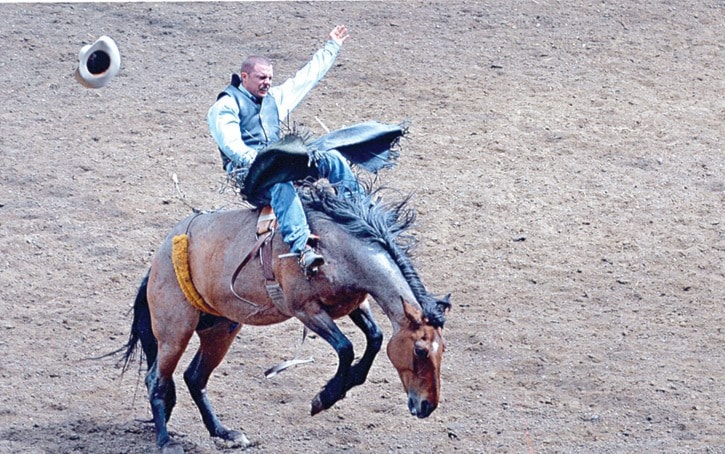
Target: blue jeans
point(287, 206)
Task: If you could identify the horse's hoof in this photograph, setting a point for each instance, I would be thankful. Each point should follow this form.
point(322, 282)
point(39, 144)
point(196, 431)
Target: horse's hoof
point(317, 405)
point(232, 439)
point(172, 447)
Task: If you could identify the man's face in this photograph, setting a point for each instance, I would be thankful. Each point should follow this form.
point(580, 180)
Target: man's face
point(258, 81)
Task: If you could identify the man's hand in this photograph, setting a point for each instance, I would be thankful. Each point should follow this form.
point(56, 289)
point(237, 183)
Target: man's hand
point(339, 34)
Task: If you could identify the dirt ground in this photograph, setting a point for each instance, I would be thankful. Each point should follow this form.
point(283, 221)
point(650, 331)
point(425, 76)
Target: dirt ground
point(567, 165)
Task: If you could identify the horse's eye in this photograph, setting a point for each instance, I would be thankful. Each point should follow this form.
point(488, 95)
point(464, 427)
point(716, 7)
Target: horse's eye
point(421, 351)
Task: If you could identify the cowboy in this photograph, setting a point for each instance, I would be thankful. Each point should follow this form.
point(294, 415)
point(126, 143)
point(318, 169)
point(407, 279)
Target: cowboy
point(245, 119)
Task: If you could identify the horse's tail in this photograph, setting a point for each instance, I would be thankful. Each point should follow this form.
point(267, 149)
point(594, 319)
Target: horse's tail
point(141, 329)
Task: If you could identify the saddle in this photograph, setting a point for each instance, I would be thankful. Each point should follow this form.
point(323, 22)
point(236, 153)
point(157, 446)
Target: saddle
point(267, 220)
point(266, 227)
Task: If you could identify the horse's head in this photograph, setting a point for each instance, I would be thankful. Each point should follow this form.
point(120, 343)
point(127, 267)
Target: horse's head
point(416, 351)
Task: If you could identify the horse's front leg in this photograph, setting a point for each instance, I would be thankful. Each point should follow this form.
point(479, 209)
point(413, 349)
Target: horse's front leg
point(363, 319)
point(322, 324)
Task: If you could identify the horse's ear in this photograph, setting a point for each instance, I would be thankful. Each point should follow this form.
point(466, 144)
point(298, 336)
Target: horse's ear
point(414, 316)
point(446, 303)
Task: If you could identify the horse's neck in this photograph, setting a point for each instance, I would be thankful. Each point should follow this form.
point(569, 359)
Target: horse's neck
point(371, 267)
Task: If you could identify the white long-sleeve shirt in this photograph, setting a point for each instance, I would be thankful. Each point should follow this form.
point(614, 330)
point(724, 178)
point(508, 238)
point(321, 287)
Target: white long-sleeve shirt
point(223, 116)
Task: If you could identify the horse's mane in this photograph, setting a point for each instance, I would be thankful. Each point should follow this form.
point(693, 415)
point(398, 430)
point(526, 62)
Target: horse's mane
point(368, 218)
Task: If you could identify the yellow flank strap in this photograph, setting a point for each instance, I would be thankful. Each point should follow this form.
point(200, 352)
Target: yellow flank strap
point(180, 259)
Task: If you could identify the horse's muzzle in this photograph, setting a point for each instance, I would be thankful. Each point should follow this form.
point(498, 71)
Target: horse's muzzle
point(420, 408)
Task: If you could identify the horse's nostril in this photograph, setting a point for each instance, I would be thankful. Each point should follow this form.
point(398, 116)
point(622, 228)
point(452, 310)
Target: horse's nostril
point(425, 409)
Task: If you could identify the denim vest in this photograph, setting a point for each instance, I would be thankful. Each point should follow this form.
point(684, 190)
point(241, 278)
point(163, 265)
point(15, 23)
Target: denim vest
point(258, 122)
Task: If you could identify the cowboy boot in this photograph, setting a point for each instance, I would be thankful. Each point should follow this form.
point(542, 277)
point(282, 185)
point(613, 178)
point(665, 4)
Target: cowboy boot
point(310, 259)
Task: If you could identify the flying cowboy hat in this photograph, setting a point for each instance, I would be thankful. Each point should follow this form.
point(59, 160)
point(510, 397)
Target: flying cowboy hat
point(98, 63)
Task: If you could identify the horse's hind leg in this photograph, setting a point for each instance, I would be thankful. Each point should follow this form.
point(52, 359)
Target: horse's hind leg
point(162, 392)
point(216, 335)
point(174, 320)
